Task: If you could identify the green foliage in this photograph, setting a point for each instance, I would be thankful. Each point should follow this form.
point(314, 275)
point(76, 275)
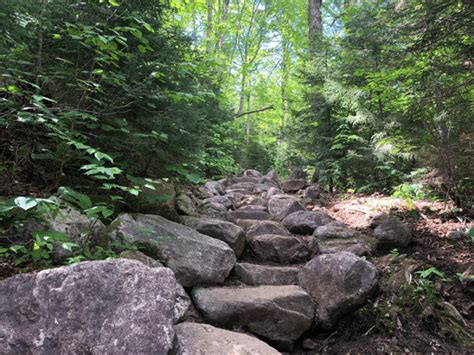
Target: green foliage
point(425, 283)
point(394, 252)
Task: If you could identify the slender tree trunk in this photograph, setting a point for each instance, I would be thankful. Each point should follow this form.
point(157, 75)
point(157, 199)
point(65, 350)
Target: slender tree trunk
point(243, 83)
point(209, 27)
point(315, 26)
point(284, 84)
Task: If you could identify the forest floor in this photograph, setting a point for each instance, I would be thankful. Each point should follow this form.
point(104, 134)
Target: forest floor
point(431, 224)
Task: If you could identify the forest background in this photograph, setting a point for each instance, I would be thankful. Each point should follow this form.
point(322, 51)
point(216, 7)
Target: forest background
point(363, 96)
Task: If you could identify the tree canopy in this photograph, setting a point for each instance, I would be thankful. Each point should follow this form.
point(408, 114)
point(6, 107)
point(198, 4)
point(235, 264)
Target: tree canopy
point(360, 94)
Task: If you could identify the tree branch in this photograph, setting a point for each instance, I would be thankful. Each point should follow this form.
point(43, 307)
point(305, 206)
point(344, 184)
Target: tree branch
point(254, 111)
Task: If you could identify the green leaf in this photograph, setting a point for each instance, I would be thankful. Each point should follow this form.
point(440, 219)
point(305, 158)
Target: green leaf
point(68, 246)
point(114, 3)
point(70, 195)
point(26, 203)
point(148, 27)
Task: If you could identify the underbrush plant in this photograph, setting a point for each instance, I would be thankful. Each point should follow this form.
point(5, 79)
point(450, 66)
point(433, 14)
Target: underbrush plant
point(37, 250)
point(425, 283)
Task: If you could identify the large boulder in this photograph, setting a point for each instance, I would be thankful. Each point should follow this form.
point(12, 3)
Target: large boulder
point(339, 283)
point(228, 232)
point(279, 203)
point(335, 229)
point(252, 173)
point(254, 274)
point(279, 314)
point(94, 307)
point(222, 200)
point(253, 201)
point(185, 205)
point(194, 338)
point(336, 236)
point(160, 200)
point(281, 249)
point(266, 227)
point(194, 257)
point(293, 206)
point(183, 302)
point(293, 185)
point(270, 179)
point(78, 228)
point(214, 187)
point(272, 191)
point(312, 192)
point(392, 233)
point(305, 222)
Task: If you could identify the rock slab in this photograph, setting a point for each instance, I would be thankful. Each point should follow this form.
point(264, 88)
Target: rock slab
point(255, 275)
point(279, 314)
point(280, 249)
point(305, 222)
point(338, 283)
point(195, 258)
point(94, 307)
point(204, 339)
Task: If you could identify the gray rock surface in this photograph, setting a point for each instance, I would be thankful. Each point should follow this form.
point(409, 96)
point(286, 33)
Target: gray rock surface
point(339, 283)
point(253, 274)
point(253, 200)
point(139, 256)
point(278, 203)
point(222, 200)
point(214, 187)
point(246, 187)
point(183, 301)
point(228, 232)
point(305, 222)
point(312, 192)
point(293, 206)
point(392, 233)
point(95, 307)
point(252, 173)
point(266, 227)
point(293, 185)
point(279, 314)
point(160, 201)
point(204, 339)
point(252, 208)
point(195, 258)
point(335, 230)
point(79, 228)
point(256, 215)
point(281, 249)
point(185, 205)
point(272, 191)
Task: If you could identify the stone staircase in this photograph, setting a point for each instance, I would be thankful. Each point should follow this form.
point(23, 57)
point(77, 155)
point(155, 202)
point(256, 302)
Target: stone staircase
point(254, 272)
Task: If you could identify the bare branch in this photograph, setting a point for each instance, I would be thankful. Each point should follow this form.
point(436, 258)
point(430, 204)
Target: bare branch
point(255, 111)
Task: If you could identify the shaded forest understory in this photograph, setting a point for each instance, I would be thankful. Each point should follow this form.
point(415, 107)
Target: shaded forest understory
point(112, 108)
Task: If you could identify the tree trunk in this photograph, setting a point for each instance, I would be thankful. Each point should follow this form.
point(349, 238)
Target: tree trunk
point(209, 27)
point(284, 84)
point(315, 26)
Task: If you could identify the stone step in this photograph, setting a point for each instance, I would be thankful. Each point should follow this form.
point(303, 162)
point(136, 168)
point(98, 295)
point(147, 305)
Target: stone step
point(281, 249)
point(252, 208)
point(246, 179)
point(266, 227)
point(278, 314)
point(256, 275)
point(194, 338)
point(255, 215)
